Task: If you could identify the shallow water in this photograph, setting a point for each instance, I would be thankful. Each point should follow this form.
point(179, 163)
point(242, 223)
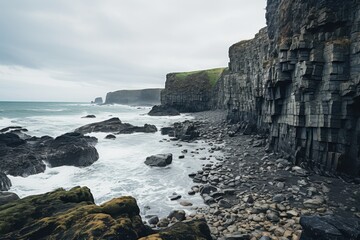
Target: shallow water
point(120, 169)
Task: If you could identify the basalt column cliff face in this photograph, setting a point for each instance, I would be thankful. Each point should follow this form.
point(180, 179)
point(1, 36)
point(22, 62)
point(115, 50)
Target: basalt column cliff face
point(298, 79)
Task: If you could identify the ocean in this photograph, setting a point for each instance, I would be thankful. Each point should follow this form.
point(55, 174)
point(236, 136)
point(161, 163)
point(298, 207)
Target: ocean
point(120, 170)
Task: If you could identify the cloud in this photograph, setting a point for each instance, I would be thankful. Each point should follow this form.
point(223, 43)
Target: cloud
point(118, 44)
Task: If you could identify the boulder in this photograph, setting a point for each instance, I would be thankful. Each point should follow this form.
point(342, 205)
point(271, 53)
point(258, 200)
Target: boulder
point(329, 227)
point(163, 110)
point(71, 215)
point(11, 140)
point(110, 136)
point(114, 125)
point(159, 160)
point(5, 182)
point(72, 149)
point(177, 214)
point(167, 131)
point(89, 116)
point(185, 131)
point(7, 197)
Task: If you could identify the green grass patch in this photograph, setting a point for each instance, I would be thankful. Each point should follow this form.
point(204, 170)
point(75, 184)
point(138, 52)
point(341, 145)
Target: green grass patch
point(213, 74)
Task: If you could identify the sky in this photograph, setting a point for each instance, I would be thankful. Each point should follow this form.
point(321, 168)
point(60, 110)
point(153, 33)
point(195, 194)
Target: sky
point(66, 50)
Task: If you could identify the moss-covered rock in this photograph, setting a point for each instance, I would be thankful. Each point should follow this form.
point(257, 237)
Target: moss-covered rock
point(73, 214)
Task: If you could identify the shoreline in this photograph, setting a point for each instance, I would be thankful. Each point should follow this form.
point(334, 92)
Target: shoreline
point(260, 193)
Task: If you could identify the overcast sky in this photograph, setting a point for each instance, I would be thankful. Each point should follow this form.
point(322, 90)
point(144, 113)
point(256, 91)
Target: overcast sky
point(66, 50)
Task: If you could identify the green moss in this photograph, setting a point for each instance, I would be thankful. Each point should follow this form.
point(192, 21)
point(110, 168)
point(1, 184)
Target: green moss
point(213, 74)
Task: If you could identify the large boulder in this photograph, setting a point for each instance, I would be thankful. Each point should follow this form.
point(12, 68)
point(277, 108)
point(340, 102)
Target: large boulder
point(159, 160)
point(72, 149)
point(329, 228)
point(73, 215)
point(114, 125)
point(163, 110)
point(11, 139)
point(7, 197)
point(21, 157)
point(5, 182)
point(186, 130)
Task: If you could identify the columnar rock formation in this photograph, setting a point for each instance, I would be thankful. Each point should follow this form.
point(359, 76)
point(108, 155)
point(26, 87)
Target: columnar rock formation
point(298, 79)
point(134, 97)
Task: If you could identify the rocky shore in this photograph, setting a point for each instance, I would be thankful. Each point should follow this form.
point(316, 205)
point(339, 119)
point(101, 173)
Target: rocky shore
point(254, 193)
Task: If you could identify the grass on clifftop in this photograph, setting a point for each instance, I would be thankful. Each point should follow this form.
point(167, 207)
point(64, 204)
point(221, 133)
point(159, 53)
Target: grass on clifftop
point(213, 74)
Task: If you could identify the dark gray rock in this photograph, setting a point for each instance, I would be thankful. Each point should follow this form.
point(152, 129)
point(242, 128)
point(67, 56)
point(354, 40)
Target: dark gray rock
point(177, 214)
point(98, 100)
point(7, 197)
point(11, 140)
point(89, 116)
point(279, 198)
point(329, 228)
point(207, 189)
point(153, 220)
point(141, 97)
point(224, 204)
point(159, 160)
point(186, 130)
point(163, 110)
point(72, 149)
point(5, 182)
point(114, 125)
point(167, 131)
point(110, 136)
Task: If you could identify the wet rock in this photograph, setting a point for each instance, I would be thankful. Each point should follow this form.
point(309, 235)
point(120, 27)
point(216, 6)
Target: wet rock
point(329, 227)
point(11, 140)
point(177, 214)
point(89, 116)
point(153, 220)
point(115, 125)
point(207, 189)
point(186, 131)
point(7, 197)
point(224, 204)
point(5, 182)
point(174, 197)
point(163, 110)
point(72, 149)
point(110, 136)
point(315, 202)
point(185, 203)
point(279, 198)
point(159, 160)
point(167, 131)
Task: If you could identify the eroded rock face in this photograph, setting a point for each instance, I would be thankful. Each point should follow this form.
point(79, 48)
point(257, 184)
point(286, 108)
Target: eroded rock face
point(114, 125)
point(149, 97)
point(73, 215)
point(298, 80)
point(5, 182)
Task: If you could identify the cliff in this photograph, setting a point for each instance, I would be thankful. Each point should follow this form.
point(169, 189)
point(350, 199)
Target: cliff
point(190, 91)
point(298, 80)
point(149, 96)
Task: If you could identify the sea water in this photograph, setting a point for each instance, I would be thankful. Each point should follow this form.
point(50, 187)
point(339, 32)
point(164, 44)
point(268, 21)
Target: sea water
point(120, 170)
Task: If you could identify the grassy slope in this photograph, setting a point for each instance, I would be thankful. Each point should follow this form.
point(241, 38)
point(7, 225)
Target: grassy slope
point(213, 74)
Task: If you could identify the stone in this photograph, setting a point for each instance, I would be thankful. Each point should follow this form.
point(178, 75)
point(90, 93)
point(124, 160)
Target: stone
point(163, 110)
point(159, 160)
point(89, 116)
point(329, 227)
point(110, 136)
point(278, 198)
point(5, 182)
point(177, 214)
point(114, 125)
point(315, 202)
point(185, 131)
point(237, 237)
point(153, 220)
point(273, 216)
point(72, 149)
point(7, 197)
point(224, 204)
point(207, 189)
point(163, 223)
point(185, 203)
point(174, 197)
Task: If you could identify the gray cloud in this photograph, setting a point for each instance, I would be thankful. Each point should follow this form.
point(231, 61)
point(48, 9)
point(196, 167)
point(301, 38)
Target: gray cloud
point(115, 44)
